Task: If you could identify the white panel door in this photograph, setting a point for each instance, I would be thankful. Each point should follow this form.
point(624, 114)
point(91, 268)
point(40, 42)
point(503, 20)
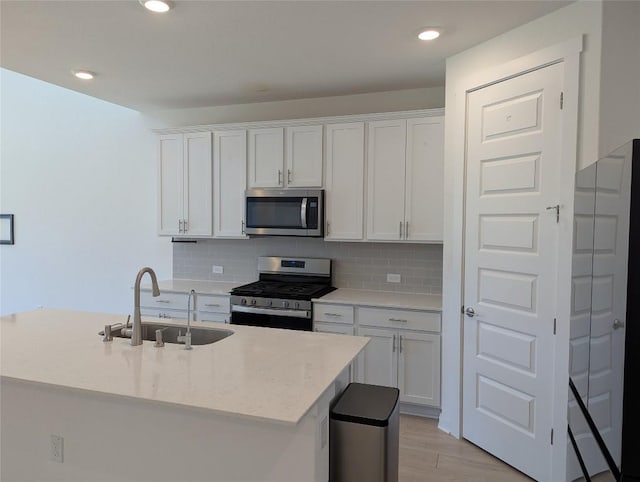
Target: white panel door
point(266, 157)
point(378, 363)
point(419, 368)
point(386, 180)
point(198, 173)
point(513, 167)
point(609, 302)
point(304, 156)
point(344, 181)
point(171, 184)
point(424, 190)
point(230, 179)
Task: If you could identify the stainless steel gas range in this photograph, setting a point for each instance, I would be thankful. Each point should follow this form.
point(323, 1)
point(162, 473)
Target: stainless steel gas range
point(282, 296)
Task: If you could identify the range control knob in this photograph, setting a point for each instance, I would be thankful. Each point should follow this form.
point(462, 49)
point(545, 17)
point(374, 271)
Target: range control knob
point(297, 305)
point(253, 301)
point(285, 304)
point(270, 302)
point(243, 301)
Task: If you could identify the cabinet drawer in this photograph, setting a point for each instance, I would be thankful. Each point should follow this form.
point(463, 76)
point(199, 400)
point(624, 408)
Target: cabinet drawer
point(164, 314)
point(213, 317)
point(164, 301)
point(333, 313)
point(412, 320)
point(213, 303)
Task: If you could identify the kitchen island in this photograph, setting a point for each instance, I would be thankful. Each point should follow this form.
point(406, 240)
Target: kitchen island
point(251, 407)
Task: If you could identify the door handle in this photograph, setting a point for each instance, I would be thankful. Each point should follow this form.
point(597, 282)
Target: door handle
point(288, 176)
point(393, 349)
point(470, 312)
point(279, 177)
point(400, 230)
point(617, 324)
point(179, 225)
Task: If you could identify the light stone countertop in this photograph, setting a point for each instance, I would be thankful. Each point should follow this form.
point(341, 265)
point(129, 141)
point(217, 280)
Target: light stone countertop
point(201, 287)
point(383, 299)
point(257, 373)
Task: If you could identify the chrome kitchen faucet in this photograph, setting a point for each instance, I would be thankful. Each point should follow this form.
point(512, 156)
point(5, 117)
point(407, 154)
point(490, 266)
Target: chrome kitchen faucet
point(136, 334)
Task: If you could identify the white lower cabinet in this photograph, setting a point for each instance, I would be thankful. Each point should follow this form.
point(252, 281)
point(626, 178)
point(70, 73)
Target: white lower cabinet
point(404, 359)
point(403, 350)
point(213, 308)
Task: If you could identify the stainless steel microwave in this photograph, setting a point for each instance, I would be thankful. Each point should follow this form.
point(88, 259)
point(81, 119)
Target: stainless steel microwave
point(289, 212)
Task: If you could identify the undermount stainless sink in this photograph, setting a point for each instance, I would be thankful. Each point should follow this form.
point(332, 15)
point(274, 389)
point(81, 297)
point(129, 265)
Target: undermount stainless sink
point(170, 333)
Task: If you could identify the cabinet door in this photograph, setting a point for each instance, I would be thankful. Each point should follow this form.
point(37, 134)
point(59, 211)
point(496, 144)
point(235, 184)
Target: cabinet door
point(424, 201)
point(266, 157)
point(386, 180)
point(170, 184)
point(419, 368)
point(378, 363)
point(304, 156)
point(198, 170)
point(230, 179)
point(344, 181)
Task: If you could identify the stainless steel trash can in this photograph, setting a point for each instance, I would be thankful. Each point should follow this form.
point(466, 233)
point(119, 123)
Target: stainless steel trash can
point(364, 435)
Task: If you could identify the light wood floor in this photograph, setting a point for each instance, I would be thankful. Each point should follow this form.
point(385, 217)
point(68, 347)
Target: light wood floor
point(427, 454)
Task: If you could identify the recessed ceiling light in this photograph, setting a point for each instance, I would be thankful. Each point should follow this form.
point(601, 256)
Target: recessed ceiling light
point(158, 6)
point(429, 34)
point(83, 74)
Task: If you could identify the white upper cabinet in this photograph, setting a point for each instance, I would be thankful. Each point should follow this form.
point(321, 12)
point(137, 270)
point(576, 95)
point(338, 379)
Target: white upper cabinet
point(300, 167)
point(230, 178)
point(171, 184)
point(405, 180)
point(185, 182)
point(304, 156)
point(386, 177)
point(266, 157)
point(424, 198)
point(344, 181)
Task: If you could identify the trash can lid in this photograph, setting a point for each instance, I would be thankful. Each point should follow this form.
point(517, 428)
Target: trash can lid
point(366, 404)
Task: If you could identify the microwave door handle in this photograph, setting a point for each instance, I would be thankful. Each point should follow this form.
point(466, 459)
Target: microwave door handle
point(303, 212)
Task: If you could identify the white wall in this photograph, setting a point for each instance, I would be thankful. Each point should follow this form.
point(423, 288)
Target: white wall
point(79, 175)
point(575, 20)
point(410, 99)
point(620, 80)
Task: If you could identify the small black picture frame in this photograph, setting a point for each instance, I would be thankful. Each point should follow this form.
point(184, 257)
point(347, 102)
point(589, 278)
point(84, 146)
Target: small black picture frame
point(6, 229)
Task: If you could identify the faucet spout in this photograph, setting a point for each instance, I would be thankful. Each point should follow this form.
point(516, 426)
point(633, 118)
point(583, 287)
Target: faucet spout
point(136, 334)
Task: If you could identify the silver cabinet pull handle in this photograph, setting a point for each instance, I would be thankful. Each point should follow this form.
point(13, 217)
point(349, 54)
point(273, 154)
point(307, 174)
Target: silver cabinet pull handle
point(617, 324)
point(328, 226)
point(400, 340)
point(179, 225)
point(243, 227)
point(185, 223)
point(394, 344)
point(400, 229)
point(470, 312)
point(398, 319)
point(163, 301)
point(279, 177)
point(212, 304)
point(289, 176)
point(406, 230)
point(333, 314)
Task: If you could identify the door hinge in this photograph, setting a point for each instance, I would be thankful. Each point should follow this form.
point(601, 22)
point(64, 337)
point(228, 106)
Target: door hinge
point(561, 100)
point(554, 326)
point(551, 436)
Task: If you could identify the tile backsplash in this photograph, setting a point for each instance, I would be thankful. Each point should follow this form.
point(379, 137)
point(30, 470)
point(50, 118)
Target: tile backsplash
point(355, 265)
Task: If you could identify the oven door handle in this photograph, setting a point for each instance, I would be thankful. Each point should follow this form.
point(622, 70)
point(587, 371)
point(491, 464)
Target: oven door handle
point(272, 311)
point(303, 212)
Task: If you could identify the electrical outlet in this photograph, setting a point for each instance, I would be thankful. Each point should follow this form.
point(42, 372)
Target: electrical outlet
point(393, 278)
point(57, 448)
point(218, 269)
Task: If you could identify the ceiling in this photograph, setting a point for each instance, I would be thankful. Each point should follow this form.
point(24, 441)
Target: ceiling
point(207, 53)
